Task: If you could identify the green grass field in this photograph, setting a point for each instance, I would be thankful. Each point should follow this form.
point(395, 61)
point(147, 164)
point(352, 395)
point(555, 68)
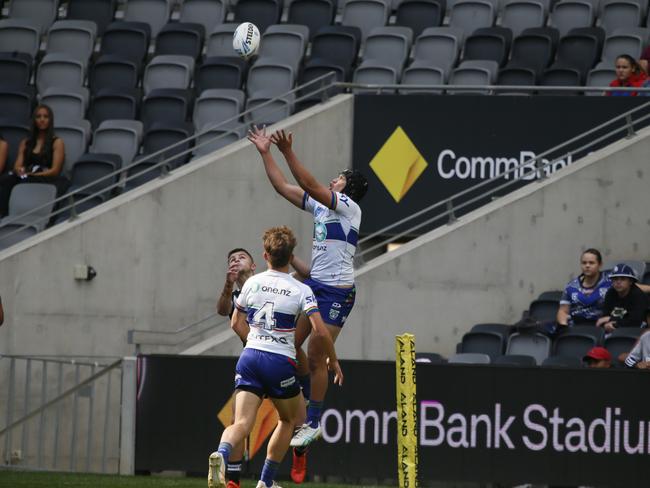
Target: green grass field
point(27, 479)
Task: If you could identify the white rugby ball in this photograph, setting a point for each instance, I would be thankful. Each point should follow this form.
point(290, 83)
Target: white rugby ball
point(246, 40)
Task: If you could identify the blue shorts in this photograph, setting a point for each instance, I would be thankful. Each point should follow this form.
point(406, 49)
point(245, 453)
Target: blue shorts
point(266, 373)
point(334, 304)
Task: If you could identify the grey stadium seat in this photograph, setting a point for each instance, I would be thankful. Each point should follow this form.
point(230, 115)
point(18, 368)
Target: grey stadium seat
point(620, 15)
point(622, 340)
point(58, 70)
point(19, 35)
point(121, 137)
point(262, 111)
point(76, 38)
point(577, 340)
point(168, 71)
point(474, 72)
point(469, 15)
point(270, 76)
point(642, 3)
point(92, 169)
point(491, 343)
point(617, 44)
point(375, 73)
point(529, 344)
point(313, 14)
point(389, 45)
point(100, 12)
point(219, 41)
point(438, 47)
point(153, 12)
point(365, 14)
point(422, 75)
point(208, 13)
point(600, 77)
point(41, 13)
point(28, 197)
point(569, 14)
point(285, 43)
point(180, 38)
point(469, 358)
point(68, 104)
point(215, 106)
point(213, 140)
point(76, 138)
point(420, 14)
point(13, 133)
point(522, 14)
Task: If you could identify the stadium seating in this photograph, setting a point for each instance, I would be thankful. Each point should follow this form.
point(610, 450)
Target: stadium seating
point(529, 344)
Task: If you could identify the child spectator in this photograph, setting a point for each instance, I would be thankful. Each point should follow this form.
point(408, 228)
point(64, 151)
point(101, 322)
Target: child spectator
point(625, 304)
point(40, 159)
point(598, 357)
point(629, 73)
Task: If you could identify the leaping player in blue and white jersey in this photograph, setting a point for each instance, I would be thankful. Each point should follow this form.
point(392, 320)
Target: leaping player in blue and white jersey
point(337, 218)
point(265, 316)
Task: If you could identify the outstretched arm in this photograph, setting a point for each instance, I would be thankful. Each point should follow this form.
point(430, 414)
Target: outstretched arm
point(302, 269)
point(304, 178)
point(263, 144)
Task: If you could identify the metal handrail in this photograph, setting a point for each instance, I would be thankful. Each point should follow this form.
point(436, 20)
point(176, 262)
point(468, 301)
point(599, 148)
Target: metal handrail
point(60, 397)
point(139, 337)
point(539, 168)
point(121, 174)
point(494, 88)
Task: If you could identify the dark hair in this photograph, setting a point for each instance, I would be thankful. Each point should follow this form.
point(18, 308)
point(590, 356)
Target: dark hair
point(595, 252)
point(47, 149)
point(239, 249)
point(636, 67)
point(356, 184)
point(279, 243)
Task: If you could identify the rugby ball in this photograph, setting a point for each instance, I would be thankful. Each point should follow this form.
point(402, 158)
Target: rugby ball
point(246, 40)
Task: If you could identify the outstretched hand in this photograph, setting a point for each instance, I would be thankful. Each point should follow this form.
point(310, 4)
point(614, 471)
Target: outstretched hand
point(259, 139)
point(282, 140)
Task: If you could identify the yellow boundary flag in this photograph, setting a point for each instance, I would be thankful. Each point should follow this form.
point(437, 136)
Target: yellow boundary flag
point(407, 434)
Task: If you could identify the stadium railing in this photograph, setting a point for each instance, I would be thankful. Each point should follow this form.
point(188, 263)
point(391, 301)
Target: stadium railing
point(68, 414)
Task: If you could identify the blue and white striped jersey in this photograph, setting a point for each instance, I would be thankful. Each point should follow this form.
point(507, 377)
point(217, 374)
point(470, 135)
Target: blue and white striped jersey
point(336, 232)
point(272, 302)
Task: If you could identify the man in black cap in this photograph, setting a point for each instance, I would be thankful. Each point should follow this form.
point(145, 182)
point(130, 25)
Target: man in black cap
point(625, 304)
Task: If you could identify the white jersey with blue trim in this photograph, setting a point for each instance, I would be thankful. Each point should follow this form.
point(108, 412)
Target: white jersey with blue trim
point(272, 302)
point(336, 231)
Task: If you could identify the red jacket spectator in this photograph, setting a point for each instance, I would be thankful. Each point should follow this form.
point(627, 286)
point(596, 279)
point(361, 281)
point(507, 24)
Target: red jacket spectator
point(628, 74)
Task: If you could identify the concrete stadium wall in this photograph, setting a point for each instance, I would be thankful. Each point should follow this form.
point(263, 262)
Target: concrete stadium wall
point(159, 250)
point(490, 264)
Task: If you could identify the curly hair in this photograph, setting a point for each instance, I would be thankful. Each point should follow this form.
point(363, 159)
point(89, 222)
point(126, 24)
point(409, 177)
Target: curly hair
point(279, 243)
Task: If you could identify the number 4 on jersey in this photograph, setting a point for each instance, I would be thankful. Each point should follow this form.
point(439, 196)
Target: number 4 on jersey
point(264, 317)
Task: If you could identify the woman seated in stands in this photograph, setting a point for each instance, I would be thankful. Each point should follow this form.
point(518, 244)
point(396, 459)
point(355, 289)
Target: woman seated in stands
point(39, 160)
point(583, 298)
point(629, 73)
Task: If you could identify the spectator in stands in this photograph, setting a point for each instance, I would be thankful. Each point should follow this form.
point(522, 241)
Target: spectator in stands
point(583, 298)
point(629, 73)
point(4, 150)
point(40, 159)
point(639, 356)
point(625, 304)
point(598, 357)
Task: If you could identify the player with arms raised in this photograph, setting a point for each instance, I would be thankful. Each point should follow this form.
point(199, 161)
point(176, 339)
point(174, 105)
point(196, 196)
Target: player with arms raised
point(265, 316)
point(337, 218)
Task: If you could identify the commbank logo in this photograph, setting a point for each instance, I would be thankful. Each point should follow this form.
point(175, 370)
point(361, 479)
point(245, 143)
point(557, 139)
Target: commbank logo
point(398, 164)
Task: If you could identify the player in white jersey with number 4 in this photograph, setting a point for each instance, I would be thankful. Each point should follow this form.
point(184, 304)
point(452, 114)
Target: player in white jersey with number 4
point(337, 218)
point(265, 316)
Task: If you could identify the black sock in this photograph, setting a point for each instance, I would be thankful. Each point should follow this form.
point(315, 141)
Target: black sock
point(233, 471)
